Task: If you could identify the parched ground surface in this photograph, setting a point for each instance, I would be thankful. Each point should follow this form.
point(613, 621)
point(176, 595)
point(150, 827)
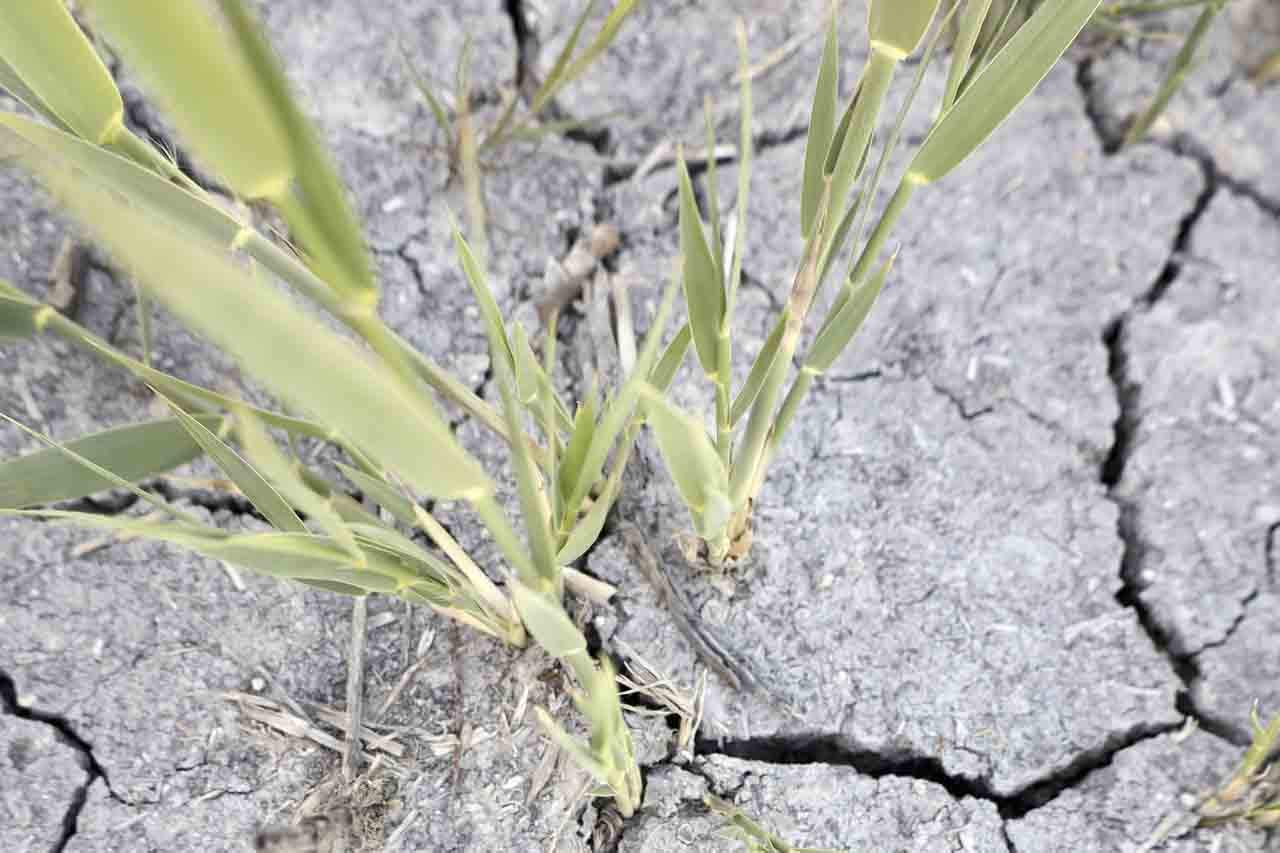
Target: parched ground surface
point(1014, 584)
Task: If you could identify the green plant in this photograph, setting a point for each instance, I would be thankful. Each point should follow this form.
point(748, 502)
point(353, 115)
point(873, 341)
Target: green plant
point(1252, 794)
point(366, 392)
point(719, 477)
point(756, 838)
point(467, 144)
point(1182, 63)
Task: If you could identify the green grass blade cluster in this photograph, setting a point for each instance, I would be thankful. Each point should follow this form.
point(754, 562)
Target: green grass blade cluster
point(837, 193)
point(369, 395)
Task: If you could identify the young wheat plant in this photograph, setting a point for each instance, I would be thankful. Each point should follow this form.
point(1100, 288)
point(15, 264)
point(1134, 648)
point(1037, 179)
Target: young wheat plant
point(720, 476)
point(367, 393)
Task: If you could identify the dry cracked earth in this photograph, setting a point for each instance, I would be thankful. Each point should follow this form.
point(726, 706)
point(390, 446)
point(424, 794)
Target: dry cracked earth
point(1014, 585)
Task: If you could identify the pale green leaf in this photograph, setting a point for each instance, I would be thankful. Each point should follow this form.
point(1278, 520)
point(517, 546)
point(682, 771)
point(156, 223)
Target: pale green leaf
point(305, 556)
point(133, 453)
point(529, 485)
point(822, 123)
point(208, 89)
point(745, 147)
point(410, 556)
point(855, 138)
point(552, 82)
point(187, 392)
point(266, 456)
point(18, 317)
point(672, 358)
point(169, 202)
point(324, 374)
point(253, 485)
point(587, 529)
point(349, 510)
point(438, 111)
point(712, 188)
point(320, 215)
point(618, 412)
point(897, 26)
point(998, 89)
point(690, 455)
point(967, 32)
point(297, 556)
point(703, 288)
point(527, 371)
point(57, 70)
point(13, 83)
point(580, 754)
point(383, 494)
point(608, 32)
point(760, 369)
point(845, 321)
point(575, 452)
point(495, 329)
point(548, 623)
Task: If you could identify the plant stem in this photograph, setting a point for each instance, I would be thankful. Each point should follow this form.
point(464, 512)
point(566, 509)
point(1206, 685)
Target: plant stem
point(883, 227)
point(355, 687)
point(724, 395)
point(513, 551)
point(1177, 74)
point(761, 418)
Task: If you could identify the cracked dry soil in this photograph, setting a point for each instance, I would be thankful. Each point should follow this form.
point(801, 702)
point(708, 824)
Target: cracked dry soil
point(1023, 532)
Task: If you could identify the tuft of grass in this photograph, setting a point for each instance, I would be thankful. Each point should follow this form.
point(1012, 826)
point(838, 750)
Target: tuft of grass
point(537, 120)
point(755, 837)
point(1182, 63)
point(1252, 793)
point(719, 474)
point(366, 393)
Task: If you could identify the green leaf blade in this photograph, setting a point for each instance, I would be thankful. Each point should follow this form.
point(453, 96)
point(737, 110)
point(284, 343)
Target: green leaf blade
point(134, 453)
point(760, 369)
point(998, 89)
point(691, 458)
point(254, 486)
point(822, 125)
point(968, 30)
point(845, 321)
point(209, 91)
point(261, 449)
point(57, 72)
point(362, 401)
point(19, 317)
point(575, 453)
point(317, 207)
point(896, 27)
point(703, 289)
point(548, 623)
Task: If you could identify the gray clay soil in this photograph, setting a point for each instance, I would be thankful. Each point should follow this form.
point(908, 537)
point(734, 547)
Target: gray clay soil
point(1014, 584)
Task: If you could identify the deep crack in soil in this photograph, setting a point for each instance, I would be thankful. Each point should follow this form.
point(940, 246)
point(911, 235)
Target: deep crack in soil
point(67, 735)
point(1128, 398)
point(902, 763)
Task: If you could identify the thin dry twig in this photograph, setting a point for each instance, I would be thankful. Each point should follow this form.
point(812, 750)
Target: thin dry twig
point(351, 755)
point(274, 716)
point(567, 277)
